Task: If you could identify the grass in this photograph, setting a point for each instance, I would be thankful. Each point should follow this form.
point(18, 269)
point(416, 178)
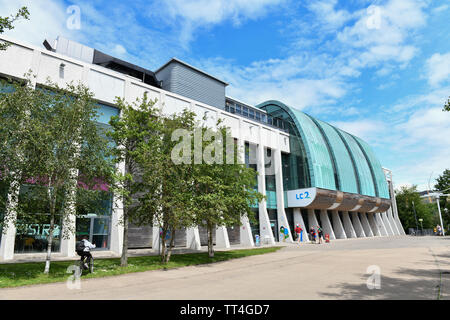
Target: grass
point(22, 274)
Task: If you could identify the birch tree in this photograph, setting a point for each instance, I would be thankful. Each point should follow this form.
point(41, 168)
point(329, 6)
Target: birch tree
point(68, 150)
point(223, 187)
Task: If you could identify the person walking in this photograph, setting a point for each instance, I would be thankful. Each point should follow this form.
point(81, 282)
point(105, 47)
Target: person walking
point(286, 234)
point(439, 231)
point(319, 234)
point(312, 234)
point(298, 231)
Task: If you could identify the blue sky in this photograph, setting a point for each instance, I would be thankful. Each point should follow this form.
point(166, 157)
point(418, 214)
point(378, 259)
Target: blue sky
point(377, 69)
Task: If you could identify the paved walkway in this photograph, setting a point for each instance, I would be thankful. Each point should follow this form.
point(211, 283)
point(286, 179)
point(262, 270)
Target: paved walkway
point(411, 268)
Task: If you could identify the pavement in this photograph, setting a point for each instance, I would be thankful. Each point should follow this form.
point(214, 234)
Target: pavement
point(409, 268)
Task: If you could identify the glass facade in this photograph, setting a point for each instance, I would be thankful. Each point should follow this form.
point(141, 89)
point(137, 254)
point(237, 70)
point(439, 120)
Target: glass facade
point(378, 173)
point(362, 167)
point(346, 174)
point(254, 114)
point(325, 157)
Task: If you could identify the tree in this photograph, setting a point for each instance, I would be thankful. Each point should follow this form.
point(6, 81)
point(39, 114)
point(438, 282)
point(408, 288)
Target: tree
point(166, 182)
point(130, 133)
point(405, 197)
point(447, 105)
point(19, 103)
point(223, 187)
point(69, 150)
point(443, 186)
point(7, 23)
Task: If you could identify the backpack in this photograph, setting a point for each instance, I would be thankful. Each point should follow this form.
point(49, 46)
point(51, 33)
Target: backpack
point(80, 246)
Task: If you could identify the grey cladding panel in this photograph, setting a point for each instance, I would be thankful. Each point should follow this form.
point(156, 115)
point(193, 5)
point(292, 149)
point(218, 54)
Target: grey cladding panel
point(190, 83)
point(139, 237)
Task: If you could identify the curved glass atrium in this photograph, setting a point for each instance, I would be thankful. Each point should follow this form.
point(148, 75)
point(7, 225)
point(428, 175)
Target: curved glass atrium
point(326, 157)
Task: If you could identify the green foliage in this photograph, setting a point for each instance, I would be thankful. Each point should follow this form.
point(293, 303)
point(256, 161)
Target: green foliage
point(447, 105)
point(133, 131)
point(223, 192)
point(405, 198)
point(7, 23)
point(51, 144)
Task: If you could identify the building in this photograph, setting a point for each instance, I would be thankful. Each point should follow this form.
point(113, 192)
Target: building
point(311, 172)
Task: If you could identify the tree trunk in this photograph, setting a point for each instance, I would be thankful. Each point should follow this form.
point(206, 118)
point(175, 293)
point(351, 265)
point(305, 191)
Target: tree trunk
point(172, 241)
point(50, 235)
point(163, 245)
point(124, 257)
point(210, 241)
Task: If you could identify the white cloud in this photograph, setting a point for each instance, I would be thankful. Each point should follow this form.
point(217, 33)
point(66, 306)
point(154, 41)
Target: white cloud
point(327, 15)
point(438, 68)
point(119, 50)
point(386, 38)
point(364, 128)
point(47, 20)
point(194, 14)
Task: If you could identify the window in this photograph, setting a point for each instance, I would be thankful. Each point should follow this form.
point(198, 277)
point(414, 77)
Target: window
point(270, 120)
point(258, 116)
point(263, 117)
point(227, 107)
point(251, 113)
point(232, 110)
point(245, 111)
point(238, 108)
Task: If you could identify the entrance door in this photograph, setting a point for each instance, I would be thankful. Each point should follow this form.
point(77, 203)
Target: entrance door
point(274, 226)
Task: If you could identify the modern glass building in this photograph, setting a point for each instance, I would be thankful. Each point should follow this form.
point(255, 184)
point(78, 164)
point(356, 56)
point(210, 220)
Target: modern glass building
point(312, 173)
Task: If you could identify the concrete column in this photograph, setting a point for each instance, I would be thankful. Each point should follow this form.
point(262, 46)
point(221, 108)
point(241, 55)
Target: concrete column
point(348, 226)
point(266, 235)
point(298, 219)
point(245, 228)
point(312, 220)
point(373, 224)
point(366, 225)
point(326, 224)
point(387, 224)
point(392, 222)
point(9, 228)
point(246, 233)
point(281, 214)
point(117, 226)
point(222, 240)
point(193, 238)
point(68, 228)
point(155, 239)
point(67, 236)
point(380, 224)
point(394, 205)
point(338, 228)
point(357, 225)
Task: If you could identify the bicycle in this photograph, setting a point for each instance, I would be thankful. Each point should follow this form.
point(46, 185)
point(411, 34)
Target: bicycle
point(90, 264)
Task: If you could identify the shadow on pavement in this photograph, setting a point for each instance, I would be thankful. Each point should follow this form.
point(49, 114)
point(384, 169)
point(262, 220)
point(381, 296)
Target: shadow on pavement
point(422, 285)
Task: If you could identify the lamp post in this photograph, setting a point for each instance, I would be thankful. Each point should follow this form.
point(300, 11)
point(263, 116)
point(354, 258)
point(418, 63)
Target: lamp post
point(421, 224)
point(415, 217)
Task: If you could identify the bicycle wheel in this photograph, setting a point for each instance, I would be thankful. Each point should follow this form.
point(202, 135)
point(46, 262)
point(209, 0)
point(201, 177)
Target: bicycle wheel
point(91, 265)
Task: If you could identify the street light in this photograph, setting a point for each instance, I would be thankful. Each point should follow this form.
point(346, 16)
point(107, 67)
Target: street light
point(421, 225)
point(415, 217)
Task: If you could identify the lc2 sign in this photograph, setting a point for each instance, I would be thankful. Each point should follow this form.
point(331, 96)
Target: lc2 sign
point(301, 197)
